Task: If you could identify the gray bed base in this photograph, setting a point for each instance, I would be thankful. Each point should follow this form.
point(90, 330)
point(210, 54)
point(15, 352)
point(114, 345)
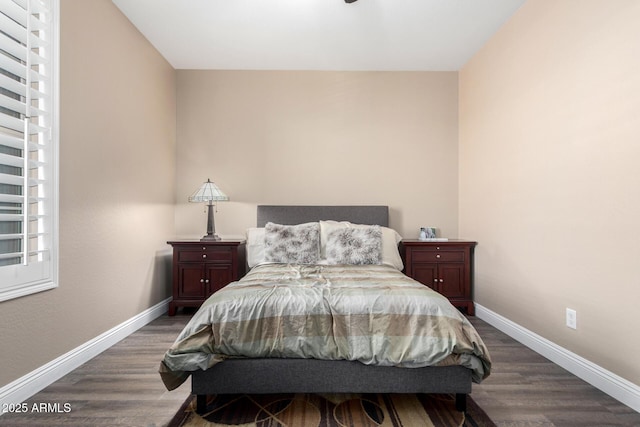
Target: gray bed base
point(272, 376)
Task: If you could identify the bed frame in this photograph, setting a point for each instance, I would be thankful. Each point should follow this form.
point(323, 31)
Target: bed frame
point(271, 376)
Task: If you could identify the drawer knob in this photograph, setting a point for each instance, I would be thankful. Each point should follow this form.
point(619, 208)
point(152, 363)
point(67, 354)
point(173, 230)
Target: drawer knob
point(204, 255)
point(441, 280)
point(206, 281)
point(204, 248)
point(201, 280)
point(438, 256)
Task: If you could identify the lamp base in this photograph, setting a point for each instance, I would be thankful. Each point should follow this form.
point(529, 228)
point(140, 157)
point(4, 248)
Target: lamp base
point(211, 238)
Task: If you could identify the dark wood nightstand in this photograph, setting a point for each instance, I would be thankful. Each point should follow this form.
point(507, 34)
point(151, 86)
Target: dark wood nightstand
point(444, 266)
point(201, 268)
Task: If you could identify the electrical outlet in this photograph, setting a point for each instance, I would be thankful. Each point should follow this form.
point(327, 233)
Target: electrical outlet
point(572, 319)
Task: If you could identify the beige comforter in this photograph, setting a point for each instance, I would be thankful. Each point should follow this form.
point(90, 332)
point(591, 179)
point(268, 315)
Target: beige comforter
point(372, 314)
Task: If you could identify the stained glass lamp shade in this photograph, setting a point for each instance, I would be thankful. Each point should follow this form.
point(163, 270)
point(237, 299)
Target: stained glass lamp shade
point(209, 193)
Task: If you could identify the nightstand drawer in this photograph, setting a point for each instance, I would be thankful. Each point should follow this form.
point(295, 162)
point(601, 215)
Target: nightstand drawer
point(222, 254)
point(437, 256)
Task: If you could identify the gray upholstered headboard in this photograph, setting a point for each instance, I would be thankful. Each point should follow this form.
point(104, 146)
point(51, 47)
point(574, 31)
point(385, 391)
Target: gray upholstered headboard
point(289, 215)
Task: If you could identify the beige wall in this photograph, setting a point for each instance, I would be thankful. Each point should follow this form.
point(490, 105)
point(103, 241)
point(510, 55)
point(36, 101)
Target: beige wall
point(549, 176)
point(117, 151)
point(301, 137)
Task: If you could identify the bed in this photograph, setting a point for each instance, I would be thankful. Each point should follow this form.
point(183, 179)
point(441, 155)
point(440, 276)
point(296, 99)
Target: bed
point(221, 361)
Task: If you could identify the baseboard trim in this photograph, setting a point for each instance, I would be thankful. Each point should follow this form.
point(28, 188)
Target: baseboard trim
point(28, 385)
point(610, 383)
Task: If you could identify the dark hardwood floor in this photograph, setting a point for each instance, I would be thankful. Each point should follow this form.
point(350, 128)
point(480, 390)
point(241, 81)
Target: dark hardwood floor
point(121, 387)
point(526, 389)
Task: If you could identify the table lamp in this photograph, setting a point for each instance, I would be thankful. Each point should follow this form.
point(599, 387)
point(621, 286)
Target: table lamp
point(209, 192)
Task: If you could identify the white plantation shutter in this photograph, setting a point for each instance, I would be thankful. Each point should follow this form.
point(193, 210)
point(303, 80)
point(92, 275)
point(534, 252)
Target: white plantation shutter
point(28, 150)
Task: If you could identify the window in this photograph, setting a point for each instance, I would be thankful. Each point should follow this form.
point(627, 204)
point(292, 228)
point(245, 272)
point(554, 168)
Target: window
point(28, 146)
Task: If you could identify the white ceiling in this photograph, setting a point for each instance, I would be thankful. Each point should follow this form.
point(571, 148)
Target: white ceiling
point(431, 35)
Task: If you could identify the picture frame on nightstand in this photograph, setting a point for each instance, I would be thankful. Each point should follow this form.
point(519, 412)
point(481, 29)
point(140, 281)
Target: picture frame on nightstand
point(427, 233)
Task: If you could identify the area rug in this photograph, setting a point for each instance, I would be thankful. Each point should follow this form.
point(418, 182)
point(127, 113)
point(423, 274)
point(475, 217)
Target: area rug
point(328, 410)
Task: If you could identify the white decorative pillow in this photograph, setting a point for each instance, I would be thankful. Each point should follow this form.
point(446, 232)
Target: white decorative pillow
point(255, 246)
point(354, 246)
point(390, 239)
point(292, 244)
